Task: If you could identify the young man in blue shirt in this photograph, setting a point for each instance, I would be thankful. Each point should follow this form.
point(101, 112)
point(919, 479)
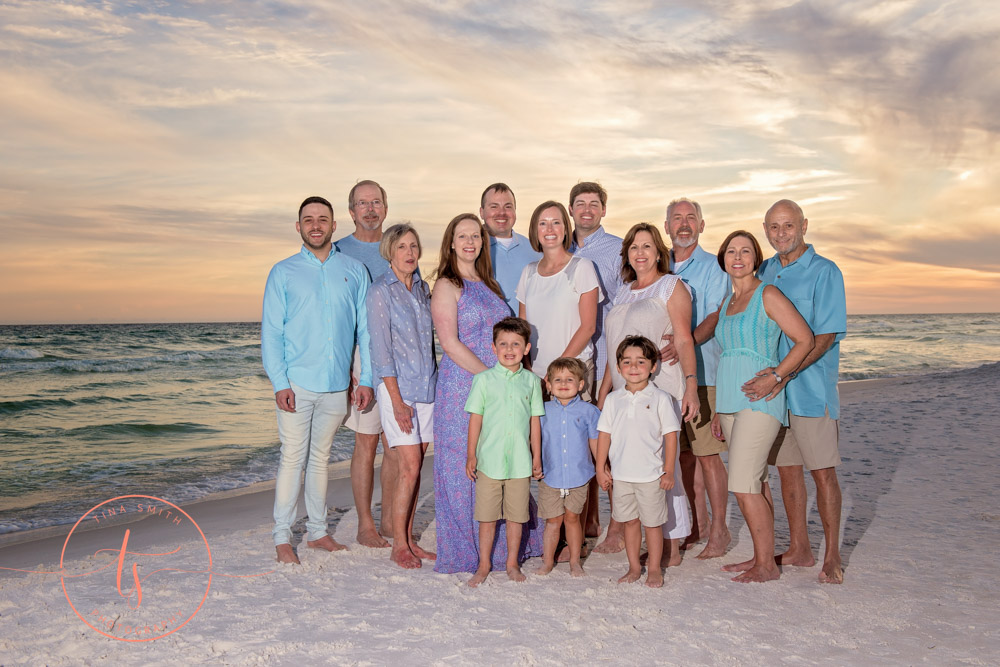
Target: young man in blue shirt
point(314, 312)
point(510, 252)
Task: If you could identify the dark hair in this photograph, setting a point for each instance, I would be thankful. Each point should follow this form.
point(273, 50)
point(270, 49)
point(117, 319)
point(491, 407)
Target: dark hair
point(448, 262)
point(648, 348)
point(757, 259)
point(588, 187)
point(571, 364)
point(350, 195)
point(315, 200)
point(498, 187)
point(514, 325)
point(662, 263)
point(533, 225)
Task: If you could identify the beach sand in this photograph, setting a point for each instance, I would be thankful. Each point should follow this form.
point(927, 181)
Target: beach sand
point(920, 520)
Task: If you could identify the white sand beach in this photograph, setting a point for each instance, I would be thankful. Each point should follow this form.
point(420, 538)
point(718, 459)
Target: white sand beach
point(921, 519)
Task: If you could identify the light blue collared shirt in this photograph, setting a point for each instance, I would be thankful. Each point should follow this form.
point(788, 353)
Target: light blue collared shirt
point(402, 336)
point(566, 432)
point(313, 314)
point(605, 251)
point(815, 286)
point(709, 288)
point(509, 262)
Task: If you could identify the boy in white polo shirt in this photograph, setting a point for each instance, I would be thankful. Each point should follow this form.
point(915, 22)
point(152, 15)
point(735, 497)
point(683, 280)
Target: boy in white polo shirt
point(638, 431)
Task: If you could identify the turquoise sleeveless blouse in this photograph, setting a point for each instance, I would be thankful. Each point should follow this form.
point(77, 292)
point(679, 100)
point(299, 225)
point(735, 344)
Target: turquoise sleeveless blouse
point(749, 342)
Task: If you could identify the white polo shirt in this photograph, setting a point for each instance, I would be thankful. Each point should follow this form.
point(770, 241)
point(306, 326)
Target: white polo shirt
point(637, 423)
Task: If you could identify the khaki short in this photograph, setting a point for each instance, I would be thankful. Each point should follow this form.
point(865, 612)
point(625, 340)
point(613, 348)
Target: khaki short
point(697, 436)
point(643, 500)
point(551, 502)
point(750, 435)
point(502, 499)
point(812, 442)
point(369, 421)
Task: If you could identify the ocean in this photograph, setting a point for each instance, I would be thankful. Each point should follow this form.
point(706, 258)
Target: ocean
point(180, 411)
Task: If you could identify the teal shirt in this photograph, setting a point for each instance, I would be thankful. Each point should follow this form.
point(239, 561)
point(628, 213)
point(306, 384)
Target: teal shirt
point(749, 342)
point(507, 401)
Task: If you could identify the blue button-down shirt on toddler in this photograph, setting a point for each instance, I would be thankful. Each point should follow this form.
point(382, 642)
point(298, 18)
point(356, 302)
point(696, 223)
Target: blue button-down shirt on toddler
point(566, 431)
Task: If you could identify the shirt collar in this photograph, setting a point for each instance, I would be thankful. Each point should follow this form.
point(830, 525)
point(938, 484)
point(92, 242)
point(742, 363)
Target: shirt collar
point(805, 259)
point(594, 237)
point(499, 368)
point(308, 254)
point(573, 401)
point(645, 391)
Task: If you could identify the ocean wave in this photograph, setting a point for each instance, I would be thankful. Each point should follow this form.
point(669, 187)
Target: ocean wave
point(107, 431)
point(13, 407)
point(20, 353)
point(128, 365)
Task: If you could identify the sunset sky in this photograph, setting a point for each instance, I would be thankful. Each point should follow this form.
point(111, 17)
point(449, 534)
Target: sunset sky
point(153, 154)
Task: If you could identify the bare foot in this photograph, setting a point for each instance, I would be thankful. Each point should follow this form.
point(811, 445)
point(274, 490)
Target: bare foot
point(576, 570)
point(326, 543)
point(286, 554)
point(717, 543)
point(563, 555)
point(739, 567)
point(697, 535)
point(612, 544)
point(515, 574)
point(479, 577)
point(422, 553)
point(655, 579)
point(544, 568)
point(385, 531)
point(370, 538)
point(832, 573)
point(630, 577)
point(798, 559)
point(405, 558)
point(758, 575)
point(674, 560)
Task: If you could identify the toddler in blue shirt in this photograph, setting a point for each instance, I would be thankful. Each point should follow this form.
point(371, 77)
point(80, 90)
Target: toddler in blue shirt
point(569, 447)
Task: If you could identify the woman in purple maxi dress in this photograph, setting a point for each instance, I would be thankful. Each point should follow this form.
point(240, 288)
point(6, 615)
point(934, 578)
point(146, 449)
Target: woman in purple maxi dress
point(470, 310)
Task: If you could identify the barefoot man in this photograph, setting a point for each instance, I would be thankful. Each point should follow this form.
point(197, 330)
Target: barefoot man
point(368, 205)
point(700, 452)
point(816, 287)
point(314, 312)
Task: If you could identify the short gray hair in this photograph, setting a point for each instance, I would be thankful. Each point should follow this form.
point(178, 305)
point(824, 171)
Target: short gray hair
point(684, 200)
point(391, 237)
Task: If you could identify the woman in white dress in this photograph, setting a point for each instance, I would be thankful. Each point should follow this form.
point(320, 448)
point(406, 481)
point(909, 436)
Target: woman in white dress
point(654, 303)
point(558, 295)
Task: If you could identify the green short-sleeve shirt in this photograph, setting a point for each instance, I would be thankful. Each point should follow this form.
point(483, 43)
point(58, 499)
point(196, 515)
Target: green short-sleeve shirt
point(507, 401)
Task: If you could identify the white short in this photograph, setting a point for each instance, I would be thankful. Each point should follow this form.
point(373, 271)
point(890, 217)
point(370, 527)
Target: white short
point(423, 421)
point(368, 421)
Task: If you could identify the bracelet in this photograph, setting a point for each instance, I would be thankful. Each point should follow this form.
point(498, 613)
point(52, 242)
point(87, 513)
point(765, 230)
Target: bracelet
point(776, 376)
point(688, 377)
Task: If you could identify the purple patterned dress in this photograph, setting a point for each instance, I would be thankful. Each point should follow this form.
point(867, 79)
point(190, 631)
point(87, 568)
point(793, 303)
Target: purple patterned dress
point(454, 493)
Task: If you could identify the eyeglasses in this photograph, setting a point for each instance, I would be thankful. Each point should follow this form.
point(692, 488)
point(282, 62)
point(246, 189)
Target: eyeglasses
point(374, 203)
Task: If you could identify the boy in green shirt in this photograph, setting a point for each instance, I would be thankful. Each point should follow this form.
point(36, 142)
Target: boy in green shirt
point(505, 443)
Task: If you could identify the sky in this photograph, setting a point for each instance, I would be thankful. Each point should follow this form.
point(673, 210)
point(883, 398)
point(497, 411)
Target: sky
point(153, 154)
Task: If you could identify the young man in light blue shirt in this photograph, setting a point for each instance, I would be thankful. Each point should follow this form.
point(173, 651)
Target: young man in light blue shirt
point(368, 205)
point(314, 312)
point(816, 286)
point(509, 251)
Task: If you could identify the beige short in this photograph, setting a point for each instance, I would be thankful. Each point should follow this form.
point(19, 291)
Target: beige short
point(696, 436)
point(750, 435)
point(587, 395)
point(502, 499)
point(812, 442)
point(643, 500)
point(551, 502)
point(368, 421)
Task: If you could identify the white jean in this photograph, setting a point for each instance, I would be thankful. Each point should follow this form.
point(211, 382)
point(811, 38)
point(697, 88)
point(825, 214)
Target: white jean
point(306, 436)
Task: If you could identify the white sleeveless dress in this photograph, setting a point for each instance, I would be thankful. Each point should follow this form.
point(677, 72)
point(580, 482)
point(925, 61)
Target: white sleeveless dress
point(643, 312)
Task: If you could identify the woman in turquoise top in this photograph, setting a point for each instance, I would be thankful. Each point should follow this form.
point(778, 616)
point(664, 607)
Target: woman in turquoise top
point(750, 321)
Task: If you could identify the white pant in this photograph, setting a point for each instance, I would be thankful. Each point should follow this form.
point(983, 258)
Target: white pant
point(306, 436)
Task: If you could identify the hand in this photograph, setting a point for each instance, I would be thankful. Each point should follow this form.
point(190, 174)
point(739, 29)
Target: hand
point(470, 467)
point(667, 480)
point(285, 400)
point(690, 405)
point(668, 353)
point(763, 385)
point(404, 417)
point(717, 428)
point(604, 480)
point(363, 396)
point(536, 470)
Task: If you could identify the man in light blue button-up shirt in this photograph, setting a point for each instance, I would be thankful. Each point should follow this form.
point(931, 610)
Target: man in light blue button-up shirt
point(314, 311)
point(510, 252)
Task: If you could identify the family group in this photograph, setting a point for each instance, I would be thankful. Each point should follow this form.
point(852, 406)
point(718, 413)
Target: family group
point(572, 357)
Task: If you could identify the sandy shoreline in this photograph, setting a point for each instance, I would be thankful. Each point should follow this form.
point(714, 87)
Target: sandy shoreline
point(920, 520)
